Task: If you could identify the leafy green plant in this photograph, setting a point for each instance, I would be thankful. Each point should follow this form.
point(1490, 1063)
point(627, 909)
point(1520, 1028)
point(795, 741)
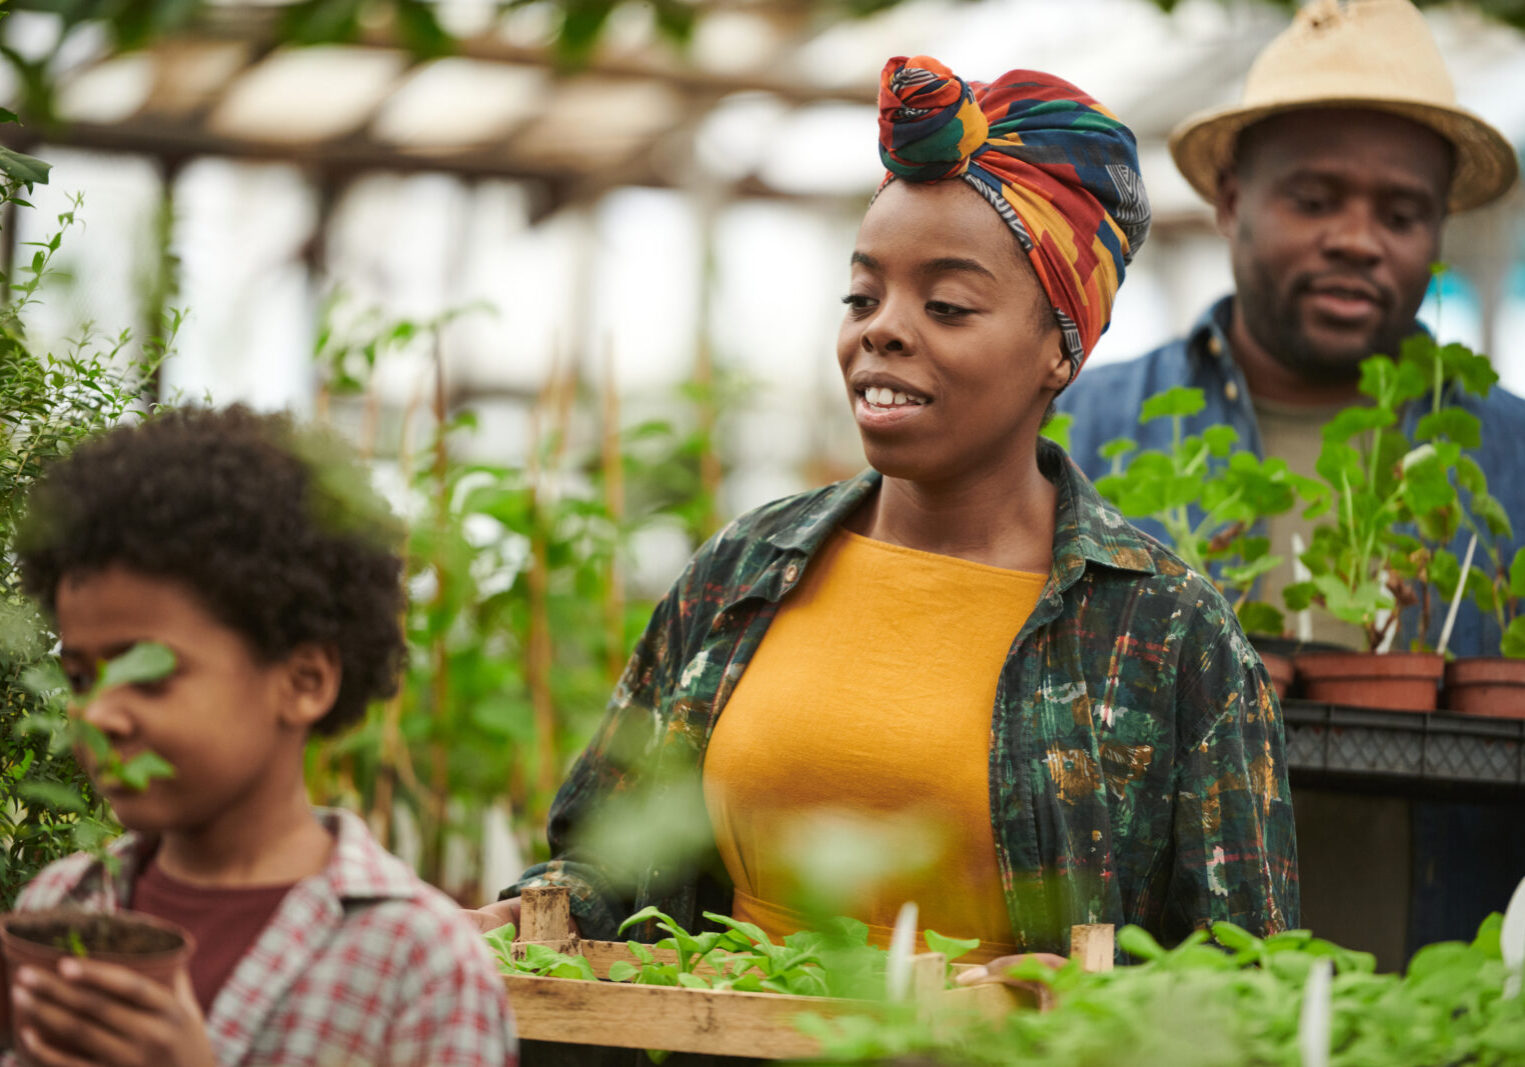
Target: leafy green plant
point(1208, 497)
point(833, 961)
point(538, 960)
point(519, 619)
point(1393, 502)
point(1226, 1000)
point(48, 402)
point(66, 730)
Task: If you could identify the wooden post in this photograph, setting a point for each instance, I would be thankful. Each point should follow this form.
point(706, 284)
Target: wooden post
point(1092, 945)
point(545, 918)
point(928, 970)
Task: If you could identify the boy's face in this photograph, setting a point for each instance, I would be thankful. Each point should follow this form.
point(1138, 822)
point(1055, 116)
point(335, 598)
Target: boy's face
point(224, 720)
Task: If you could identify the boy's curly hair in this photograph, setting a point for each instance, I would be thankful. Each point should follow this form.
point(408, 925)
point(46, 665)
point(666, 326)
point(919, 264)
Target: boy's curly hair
point(277, 533)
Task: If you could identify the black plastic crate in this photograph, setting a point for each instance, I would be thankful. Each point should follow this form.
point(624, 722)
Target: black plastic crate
point(1436, 747)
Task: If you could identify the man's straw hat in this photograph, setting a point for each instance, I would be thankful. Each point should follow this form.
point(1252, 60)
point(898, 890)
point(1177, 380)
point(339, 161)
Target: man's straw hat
point(1373, 54)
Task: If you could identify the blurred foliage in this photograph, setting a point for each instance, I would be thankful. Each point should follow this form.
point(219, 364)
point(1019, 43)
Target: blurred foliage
point(518, 620)
point(48, 402)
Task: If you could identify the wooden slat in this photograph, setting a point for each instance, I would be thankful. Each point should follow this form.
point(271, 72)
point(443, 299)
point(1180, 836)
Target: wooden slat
point(717, 1022)
point(730, 1023)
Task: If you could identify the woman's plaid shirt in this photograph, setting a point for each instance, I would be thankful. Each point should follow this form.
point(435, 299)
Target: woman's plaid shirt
point(363, 964)
point(1136, 753)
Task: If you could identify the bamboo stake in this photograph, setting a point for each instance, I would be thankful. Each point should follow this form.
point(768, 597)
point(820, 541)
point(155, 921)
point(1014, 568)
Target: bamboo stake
point(614, 502)
point(710, 471)
point(395, 762)
point(540, 654)
point(439, 769)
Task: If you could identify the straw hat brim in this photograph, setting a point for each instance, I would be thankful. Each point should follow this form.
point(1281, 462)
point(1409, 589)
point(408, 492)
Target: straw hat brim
point(1486, 165)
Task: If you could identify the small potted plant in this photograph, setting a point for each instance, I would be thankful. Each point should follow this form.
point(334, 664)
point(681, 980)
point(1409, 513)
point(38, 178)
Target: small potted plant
point(1392, 504)
point(1489, 685)
point(1209, 497)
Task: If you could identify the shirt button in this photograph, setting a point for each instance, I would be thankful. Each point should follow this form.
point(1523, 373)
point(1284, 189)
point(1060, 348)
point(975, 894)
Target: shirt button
point(791, 572)
point(1231, 391)
point(1214, 346)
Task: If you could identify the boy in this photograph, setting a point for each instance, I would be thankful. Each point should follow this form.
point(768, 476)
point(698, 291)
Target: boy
point(270, 576)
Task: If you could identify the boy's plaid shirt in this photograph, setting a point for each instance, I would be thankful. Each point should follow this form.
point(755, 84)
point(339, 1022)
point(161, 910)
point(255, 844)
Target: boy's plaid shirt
point(1136, 758)
point(362, 964)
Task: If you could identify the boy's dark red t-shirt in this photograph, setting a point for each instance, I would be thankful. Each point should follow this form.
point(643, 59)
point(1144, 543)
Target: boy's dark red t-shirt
point(224, 922)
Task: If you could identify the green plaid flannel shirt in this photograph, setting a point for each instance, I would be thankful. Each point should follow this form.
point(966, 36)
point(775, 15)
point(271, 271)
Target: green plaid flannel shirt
point(1137, 772)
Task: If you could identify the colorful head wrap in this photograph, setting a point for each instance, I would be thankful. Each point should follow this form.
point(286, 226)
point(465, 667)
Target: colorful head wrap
point(1059, 168)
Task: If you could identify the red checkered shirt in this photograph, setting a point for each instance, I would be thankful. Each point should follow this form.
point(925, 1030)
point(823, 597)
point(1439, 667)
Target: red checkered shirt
point(362, 964)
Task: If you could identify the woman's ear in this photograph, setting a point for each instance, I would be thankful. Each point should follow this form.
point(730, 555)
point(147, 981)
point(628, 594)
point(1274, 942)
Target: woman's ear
point(312, 676)
point(1060, 369)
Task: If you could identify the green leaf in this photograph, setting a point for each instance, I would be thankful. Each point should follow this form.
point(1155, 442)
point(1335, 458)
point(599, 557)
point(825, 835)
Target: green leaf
point(651, 911)
point(622, 971)
point(1220, 440)
point(29, 170)
point(1470, 476)
point(1117, 448)
point(1452, 424)
point(1357, 420)
point(145, 661)
point(1057, 429)
point(1179, 402)
point(753, 933)
point(691, 981)
point(143, 768)
point(1139, 943)
point(640, 951)
point(1298, 596)
point(951, 947)
point(1491, 513)
point(1513, 644)
point(1235, 937)
point(53, 795)
point(1258, 617)
point(1517, 575)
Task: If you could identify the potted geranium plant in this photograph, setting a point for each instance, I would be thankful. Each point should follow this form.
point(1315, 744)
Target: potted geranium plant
point(1488, 685)
point(1392, 505)
point(1209, 497)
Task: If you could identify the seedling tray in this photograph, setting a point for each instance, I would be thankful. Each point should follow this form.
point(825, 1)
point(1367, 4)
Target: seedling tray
point(1400, 747)
point(724, 1022)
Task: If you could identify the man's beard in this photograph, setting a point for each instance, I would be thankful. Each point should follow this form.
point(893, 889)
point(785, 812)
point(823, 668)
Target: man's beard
point(1275, 321)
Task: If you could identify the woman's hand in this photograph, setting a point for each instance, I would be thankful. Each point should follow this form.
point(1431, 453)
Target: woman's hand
point(94, 1014)
point(491, 916)
point(996, 969)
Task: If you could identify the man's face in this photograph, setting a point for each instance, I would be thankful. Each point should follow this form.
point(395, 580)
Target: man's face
point(1333, 219)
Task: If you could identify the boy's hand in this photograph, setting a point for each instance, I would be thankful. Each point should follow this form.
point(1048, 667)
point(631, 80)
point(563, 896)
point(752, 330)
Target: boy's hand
point(95, 1014)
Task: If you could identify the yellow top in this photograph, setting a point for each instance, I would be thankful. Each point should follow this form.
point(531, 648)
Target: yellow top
point(857, 743)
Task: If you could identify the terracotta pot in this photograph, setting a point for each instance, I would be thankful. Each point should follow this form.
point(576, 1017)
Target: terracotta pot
point(1491, 686)
point(1396, 681)
point(152, 947)
point(1281, 670)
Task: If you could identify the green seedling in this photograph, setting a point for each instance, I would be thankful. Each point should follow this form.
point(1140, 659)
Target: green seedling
point(143, 664)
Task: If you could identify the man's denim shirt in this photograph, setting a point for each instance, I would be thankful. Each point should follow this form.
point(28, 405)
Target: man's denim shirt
point(1105, 402)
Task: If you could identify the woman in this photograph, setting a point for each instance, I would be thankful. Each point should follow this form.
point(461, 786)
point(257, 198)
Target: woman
point(966, 638)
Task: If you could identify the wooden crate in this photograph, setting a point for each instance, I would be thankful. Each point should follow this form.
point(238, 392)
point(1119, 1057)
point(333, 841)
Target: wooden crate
point(722, 1021)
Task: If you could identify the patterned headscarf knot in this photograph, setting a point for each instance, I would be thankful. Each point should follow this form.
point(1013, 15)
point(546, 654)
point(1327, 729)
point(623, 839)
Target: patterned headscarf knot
point(1061, 170)
point(929, 122)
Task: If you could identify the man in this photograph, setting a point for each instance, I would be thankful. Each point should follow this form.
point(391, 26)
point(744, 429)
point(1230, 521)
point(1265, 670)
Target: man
point(1331, 181)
